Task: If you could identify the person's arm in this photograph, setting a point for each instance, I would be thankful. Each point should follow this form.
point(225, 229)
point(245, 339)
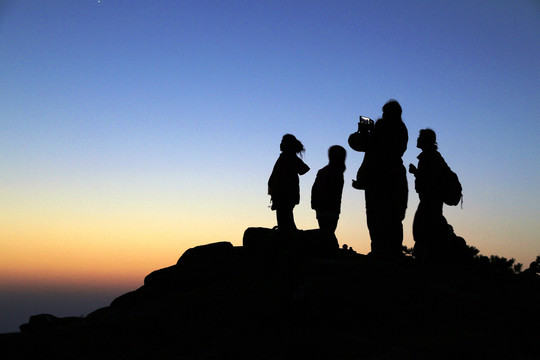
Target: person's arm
point(302, 168)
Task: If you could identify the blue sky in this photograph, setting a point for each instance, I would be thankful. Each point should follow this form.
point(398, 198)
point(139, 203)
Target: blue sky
point(134, 130)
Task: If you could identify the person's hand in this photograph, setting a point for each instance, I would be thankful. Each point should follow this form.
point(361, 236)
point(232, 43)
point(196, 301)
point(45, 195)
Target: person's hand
point(356, 185)
point(412, 169)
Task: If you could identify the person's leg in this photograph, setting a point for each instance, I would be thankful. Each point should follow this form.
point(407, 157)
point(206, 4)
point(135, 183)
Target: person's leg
point(327, 223)
point(419, 234)
point(396, 199)
point(430, 231)
point(394, 235)
point(393, 202)
point(385, 215)
point(439, 231)
point(373, 218)
point(285, 218)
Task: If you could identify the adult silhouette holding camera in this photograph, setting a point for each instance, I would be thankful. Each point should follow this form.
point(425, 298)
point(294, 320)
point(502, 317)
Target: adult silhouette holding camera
point(384, 179)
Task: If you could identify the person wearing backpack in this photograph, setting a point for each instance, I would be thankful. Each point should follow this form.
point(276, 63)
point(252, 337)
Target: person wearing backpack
point(430, 228)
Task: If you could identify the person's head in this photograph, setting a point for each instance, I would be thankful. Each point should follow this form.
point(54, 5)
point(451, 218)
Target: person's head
point(337, 154)
point(427, 139)
point(289, 143)
point(391, 110)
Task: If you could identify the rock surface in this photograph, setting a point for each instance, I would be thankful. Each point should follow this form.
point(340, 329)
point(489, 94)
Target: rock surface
point(279, 302)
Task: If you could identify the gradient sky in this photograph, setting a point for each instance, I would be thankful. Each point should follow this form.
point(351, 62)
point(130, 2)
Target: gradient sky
point(131, 131)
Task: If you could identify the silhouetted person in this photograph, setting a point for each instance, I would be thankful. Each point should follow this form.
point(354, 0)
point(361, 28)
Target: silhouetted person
point(328, 188)
point(430, 228)
point(386, 190)
point(284, 183)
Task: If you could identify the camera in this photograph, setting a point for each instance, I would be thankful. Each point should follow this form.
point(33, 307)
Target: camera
point(365, 124)
point(359, 140)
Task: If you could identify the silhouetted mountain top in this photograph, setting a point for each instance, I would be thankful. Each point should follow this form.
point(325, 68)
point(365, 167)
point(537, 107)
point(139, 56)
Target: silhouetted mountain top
point(298, 296)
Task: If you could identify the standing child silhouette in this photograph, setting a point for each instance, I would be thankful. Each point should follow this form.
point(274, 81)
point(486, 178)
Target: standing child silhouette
point(284, 183)
point(328, 188)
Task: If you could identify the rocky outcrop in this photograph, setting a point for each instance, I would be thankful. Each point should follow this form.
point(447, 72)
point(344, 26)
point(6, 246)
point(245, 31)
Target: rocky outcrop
point(280, 297)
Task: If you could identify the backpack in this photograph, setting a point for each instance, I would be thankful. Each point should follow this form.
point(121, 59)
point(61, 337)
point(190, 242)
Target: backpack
point(452, 190)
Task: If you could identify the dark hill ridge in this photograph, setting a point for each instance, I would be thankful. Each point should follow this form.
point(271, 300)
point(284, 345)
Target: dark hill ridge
point(299, 297)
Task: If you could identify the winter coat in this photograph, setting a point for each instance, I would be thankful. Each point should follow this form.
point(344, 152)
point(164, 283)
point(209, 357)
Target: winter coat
point(327, 190)
point(284, 183)
point(428, 177)
point(388, 144)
